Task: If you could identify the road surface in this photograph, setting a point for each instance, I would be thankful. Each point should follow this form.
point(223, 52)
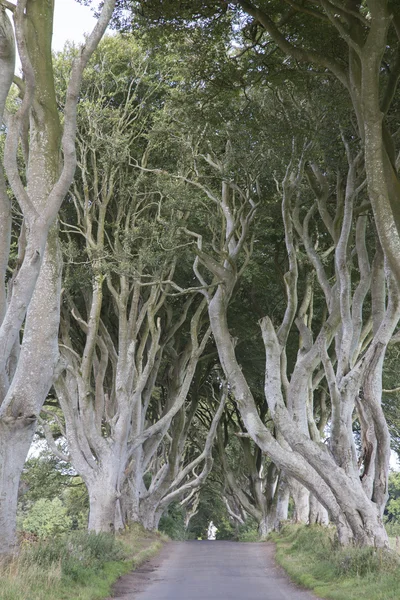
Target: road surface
point(203, 570)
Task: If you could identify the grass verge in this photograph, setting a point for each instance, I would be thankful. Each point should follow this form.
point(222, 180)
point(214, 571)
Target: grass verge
point(312, 558)
point(76, 567)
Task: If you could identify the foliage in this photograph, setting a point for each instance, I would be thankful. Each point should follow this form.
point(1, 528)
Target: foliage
point(392, 511)
point(77, 554)
point(42, 477)
point(47, 518)
point(172, 522)
point(248, 532)
point(46, 477)
point(79, 566)
point(312, 557)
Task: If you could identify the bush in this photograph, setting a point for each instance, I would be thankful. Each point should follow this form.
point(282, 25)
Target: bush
point(77, 554)
point(393, 529)
point(249, 536)
point(313, 558)
point(47, 518)
point(172, 522)
point(248, 532)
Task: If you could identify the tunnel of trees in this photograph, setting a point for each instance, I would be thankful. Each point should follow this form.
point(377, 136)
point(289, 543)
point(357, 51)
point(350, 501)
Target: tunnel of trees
point(200, 268)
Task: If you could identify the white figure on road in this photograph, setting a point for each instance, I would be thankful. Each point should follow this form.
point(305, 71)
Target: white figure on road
point(211, 531)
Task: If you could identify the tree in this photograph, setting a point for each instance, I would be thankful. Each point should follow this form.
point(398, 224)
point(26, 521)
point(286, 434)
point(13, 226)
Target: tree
point(356, 42)
point(47, 518)
point(175, 473)
point(121, 328)
point(358, 39)
point(392, 511)
point(356, 362)
point(351, 368)
point(30, 298)
point(250, 482)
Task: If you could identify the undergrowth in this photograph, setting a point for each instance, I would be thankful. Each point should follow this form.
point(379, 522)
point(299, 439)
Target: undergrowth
point(79, 566)
point(313, 558)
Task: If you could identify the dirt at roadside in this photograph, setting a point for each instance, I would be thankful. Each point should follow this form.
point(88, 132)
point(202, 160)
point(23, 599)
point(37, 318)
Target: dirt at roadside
point(138, 580)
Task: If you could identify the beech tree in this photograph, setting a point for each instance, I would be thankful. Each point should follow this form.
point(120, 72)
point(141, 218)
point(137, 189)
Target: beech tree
point(210, 172)
point(29, 300)
point(353, 371)
point(367, 34)
point(250, 482)
point(186, 458)
point(355, 42)
point(355, 45)
point(124, 317)
point(343, 346)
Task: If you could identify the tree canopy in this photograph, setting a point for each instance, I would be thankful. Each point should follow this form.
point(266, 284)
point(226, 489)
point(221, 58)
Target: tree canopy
point(219, 181)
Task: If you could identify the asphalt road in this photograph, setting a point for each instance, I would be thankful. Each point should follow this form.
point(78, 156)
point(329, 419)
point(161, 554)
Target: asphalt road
point(205, 570)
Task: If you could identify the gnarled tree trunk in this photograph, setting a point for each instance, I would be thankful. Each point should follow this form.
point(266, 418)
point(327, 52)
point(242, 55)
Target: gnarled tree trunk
point(332, 476)
point(33, 294)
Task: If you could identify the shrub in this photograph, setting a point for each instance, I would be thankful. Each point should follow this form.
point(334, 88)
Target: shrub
point(77, 554)
point(249, 536)
point(172, 522)
point(248, 532)
point(47, 518)
point(393, 529)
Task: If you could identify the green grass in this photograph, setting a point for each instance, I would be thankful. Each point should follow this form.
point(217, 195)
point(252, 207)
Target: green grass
point(75, 567)
point(312, 558)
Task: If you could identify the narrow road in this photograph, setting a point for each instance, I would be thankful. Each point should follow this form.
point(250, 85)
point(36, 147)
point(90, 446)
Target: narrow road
point(210, 571)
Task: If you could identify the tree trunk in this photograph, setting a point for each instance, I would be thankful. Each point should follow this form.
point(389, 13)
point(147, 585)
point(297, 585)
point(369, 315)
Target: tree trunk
point(282, 506)
point(36, 289)
point(383, 182)
point(7, 58)
point(149, 514)
point(103, 496)
point(39, 351)
point(266, 525)
point(354, 515)
point(31, 382)
point(15, 439)
point(318, 514)
point(301, 499)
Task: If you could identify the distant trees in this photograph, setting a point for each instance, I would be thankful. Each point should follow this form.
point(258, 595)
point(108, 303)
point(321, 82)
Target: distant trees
point(392, 512)
point(251, 482)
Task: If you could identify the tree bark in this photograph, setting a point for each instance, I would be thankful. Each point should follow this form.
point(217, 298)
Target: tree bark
point(318, 514)
point(14, 447)
point(103, 495)
point(34, 372)
point(301, 499)
point(282, 506)
point(7, 58)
